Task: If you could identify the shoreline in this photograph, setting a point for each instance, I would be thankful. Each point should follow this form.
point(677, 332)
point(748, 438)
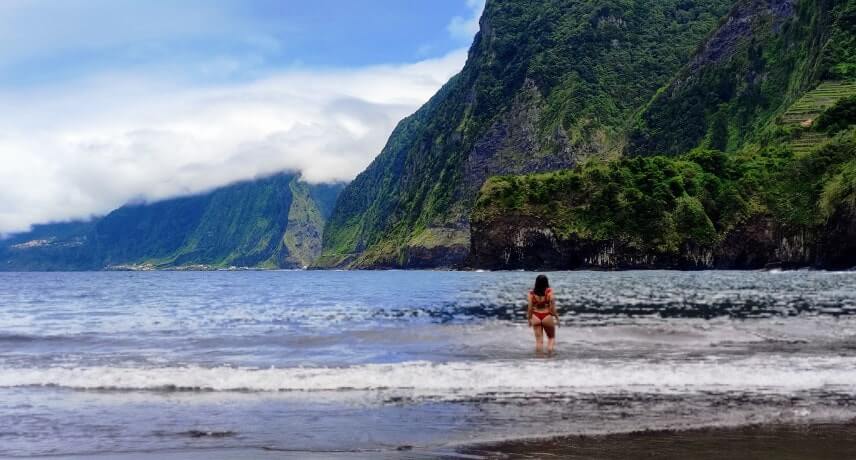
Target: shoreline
point(197, 268)
point(809, 441)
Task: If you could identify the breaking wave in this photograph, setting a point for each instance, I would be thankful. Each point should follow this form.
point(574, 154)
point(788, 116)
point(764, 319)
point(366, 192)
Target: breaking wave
point(776, 375)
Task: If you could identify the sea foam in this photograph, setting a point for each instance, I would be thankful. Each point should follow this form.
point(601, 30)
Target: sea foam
point(776, 374)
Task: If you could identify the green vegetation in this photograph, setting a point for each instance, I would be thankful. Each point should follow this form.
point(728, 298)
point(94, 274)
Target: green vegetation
point(547, 82)
point(825, 108)
point(755, 67)
point(662, 204)
point(838, 60)
point(654, 203)
point(813, 186)
point(839, 191)
point(829, 95)
point(741, 115)
point(839, 116)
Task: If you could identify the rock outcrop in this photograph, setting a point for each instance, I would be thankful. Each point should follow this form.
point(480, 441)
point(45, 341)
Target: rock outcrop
point(523, 242)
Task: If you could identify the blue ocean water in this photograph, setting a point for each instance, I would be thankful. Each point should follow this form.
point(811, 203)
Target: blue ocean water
point(332, 361)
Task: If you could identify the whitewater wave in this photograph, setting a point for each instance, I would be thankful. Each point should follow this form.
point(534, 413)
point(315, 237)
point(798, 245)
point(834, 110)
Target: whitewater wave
point(771, 374)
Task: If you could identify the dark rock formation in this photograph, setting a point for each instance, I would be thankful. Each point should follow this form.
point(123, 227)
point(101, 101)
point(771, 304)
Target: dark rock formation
point(521, 242)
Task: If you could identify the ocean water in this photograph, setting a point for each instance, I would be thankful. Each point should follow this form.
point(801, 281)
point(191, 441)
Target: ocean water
point(325, 362)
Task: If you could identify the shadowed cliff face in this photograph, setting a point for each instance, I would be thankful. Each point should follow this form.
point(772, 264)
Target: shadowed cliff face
point(523, 242)
point(516, 242)
point(839, 241)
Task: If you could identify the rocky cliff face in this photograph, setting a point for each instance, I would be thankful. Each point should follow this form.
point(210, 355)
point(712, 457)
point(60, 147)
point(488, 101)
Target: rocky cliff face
point(498, 151)
point(838, 241)
point(301, 243)
point(522, 242)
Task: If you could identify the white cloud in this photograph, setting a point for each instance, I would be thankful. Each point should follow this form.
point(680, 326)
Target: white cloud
point(462, 28)
point(84, 148)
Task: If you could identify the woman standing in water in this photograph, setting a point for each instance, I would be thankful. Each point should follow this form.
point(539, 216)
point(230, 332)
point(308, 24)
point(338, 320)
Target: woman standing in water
point(542, 314)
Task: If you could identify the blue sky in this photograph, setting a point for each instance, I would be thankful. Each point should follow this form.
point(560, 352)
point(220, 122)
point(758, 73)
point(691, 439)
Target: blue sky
point(50, 41)
point(107, 101)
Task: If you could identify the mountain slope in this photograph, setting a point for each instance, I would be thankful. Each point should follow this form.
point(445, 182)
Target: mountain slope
point(547, 84)
point(760, 164)
point(271, 222)
point(764, 57)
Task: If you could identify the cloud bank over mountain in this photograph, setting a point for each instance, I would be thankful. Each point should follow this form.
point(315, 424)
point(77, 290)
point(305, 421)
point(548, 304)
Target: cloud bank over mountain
point(83, 145)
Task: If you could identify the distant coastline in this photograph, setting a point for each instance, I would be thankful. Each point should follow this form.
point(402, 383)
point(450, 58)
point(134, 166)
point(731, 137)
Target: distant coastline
point(209, 268)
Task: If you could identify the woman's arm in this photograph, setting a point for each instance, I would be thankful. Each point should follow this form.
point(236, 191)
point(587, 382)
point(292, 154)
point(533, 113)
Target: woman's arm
point(553, 310)
point(529, 309)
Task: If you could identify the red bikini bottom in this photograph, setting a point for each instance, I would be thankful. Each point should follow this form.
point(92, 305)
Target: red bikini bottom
point(541, 314)
point(549, 330)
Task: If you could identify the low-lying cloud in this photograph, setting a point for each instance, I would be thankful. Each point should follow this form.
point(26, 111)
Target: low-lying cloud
point(84, 148)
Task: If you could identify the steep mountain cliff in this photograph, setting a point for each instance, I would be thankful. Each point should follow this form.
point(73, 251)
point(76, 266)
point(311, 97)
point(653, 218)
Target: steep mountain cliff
point(548, 83)
point(271, 222)
point(759, 134)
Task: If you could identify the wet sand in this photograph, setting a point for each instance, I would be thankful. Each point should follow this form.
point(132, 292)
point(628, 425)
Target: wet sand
point(780, 442)
point(762, 442)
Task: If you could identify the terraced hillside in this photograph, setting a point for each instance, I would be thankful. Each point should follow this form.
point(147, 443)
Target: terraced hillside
point(805, 111)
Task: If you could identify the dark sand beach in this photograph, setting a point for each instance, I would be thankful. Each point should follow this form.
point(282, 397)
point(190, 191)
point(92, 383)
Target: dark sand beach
point(762, 442)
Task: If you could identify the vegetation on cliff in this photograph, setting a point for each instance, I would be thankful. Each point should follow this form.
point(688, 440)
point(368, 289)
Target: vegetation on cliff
point(547, 83)
point(758, 126)
point(764, 56)
point(664, 205)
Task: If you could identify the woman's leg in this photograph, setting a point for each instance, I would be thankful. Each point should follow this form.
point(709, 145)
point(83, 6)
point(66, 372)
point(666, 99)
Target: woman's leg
point(539, 333)
point(549, 326)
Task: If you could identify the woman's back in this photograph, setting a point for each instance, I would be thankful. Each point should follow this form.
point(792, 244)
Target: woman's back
point(541, 302)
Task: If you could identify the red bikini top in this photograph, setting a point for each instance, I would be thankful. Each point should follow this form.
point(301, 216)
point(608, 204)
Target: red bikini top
point(543, 302)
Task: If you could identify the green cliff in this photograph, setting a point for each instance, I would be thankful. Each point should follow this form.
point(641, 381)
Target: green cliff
point(547, 84)
point(760, 152)
point(273, 222)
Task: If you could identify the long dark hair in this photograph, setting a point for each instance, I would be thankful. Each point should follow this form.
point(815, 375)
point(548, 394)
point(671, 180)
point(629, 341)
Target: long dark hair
point(541, 285)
